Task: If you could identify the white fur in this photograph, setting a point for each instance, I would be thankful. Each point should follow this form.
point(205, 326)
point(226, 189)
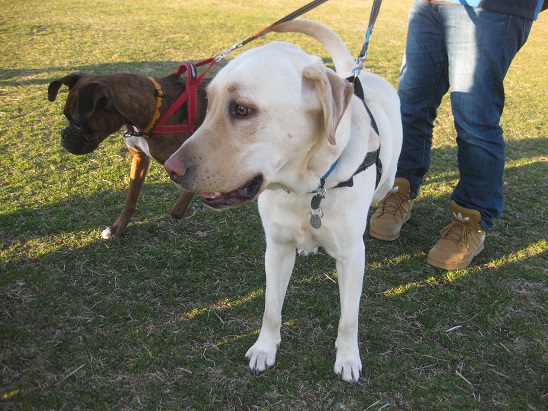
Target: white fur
point(295, 102)
point(139, 144)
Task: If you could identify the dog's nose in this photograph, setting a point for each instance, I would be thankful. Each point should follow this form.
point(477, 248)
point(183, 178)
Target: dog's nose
point(175, 168)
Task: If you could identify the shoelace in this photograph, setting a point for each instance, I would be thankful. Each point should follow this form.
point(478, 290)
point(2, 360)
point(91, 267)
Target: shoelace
point(395, 205)
point(456, 232)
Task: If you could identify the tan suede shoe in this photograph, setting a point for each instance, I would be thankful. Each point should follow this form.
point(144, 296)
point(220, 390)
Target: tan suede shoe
point(393, 212)
point(460, 241)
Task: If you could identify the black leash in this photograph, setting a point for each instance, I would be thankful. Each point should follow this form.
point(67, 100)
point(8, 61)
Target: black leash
point(363, 53)
point(372, 157)
point(289, 17)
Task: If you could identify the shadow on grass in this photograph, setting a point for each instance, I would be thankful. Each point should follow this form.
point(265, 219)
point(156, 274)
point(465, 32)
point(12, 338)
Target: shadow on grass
point(10, 77)
point(525, 187)
point(174, 307)
point(69, 232)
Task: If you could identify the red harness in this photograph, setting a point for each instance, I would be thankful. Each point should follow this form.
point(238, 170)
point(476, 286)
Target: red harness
point(189, 96)
point(154, 130)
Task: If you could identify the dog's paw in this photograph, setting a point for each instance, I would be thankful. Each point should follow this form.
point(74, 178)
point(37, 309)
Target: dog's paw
point(261, 359)
point(184, 213)
point(190, 211)
point(304, 253)
point(348, 367)
point(108, 233)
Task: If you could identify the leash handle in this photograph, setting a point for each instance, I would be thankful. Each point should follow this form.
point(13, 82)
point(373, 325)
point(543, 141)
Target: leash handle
point(267, 29)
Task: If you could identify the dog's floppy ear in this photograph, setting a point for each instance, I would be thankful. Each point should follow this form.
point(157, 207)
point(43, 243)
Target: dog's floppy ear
point(90, 95)
point(335, 94)
point(69, 80)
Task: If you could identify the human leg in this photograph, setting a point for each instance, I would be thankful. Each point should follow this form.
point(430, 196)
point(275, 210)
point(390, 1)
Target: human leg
point(423, 82)
point(481, 45)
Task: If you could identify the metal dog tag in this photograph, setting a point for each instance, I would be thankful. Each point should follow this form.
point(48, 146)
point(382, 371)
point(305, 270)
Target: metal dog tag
point(315, 202)
point(315, 221)
point(316, 213)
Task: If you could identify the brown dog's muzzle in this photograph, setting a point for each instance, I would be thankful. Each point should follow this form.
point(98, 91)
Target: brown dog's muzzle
point(75, 143)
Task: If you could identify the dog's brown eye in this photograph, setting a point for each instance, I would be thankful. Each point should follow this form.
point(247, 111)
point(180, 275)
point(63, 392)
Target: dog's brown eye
point(242, 111)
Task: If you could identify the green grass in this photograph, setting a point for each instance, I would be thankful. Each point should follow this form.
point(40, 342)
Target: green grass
point(162, 317)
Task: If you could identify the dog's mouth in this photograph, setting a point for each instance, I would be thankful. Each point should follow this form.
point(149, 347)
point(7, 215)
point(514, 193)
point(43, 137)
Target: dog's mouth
point(234, 198)
point(80, 149)
point(76, 143)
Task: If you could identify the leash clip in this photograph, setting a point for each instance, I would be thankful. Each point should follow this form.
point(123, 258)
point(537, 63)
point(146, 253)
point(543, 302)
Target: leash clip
point(359, 66)
point(220, 56)
point(224, 54)
point(129, 134)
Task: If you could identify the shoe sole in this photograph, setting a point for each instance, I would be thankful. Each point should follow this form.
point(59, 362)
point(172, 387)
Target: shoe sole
point(383, 236)
point(449, 266)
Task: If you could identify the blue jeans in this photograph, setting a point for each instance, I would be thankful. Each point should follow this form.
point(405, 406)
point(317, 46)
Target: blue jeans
point(469, 51)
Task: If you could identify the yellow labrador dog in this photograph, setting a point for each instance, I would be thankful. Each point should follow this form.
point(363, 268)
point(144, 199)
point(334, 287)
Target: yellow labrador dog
point(282, 127)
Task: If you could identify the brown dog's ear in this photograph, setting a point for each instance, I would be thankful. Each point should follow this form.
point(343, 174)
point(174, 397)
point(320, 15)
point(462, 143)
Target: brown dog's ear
point(69, 80)
point(335, 94)
point(89, 96)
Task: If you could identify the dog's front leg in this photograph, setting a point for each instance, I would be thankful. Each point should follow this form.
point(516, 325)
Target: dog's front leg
point(279, 262)
point(350, 271)
point(139, 168)
point(180, 209)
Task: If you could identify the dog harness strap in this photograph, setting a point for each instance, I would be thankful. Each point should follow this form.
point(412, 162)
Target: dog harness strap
point(358, 91)
point(192, 104)
point(371, 158)
point(193, 86)
point(190, 96)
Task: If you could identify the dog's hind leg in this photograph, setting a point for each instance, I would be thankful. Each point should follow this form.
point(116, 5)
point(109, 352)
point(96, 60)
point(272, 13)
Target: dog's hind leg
point(350, 273)
point(139, 168)
point(279, 262)
point(180, 209)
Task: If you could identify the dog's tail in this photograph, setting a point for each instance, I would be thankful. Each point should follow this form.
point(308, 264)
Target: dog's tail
point(342, 59)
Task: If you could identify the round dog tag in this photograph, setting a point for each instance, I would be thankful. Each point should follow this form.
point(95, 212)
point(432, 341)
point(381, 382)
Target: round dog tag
point(315, 203)
point(315, 221)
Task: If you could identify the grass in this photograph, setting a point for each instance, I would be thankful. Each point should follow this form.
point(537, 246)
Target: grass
point(162, 317)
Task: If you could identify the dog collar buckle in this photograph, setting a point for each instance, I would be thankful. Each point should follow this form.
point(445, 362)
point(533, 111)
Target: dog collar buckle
point(133, 131)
